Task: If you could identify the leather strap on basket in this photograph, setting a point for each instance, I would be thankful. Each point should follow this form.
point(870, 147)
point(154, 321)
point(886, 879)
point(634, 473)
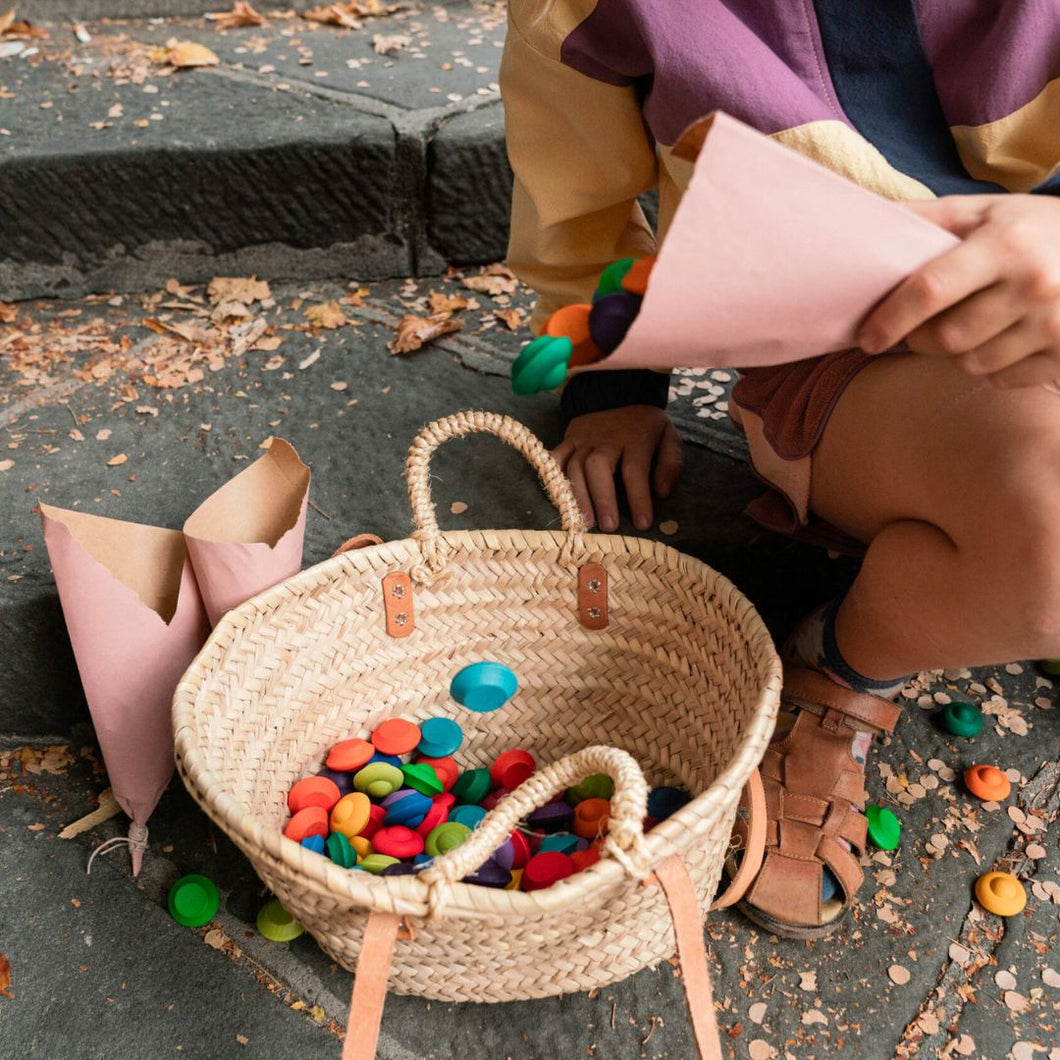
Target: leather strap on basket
point(369, 986)
point(352, 544)
point(754, 793)
point(692, 953)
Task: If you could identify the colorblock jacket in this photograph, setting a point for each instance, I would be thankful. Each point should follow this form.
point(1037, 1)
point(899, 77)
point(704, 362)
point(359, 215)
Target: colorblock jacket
point(910, 98)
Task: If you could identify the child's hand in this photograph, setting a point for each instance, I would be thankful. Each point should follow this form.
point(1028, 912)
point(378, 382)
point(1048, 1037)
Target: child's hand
point(992, 303)
point(596, 444)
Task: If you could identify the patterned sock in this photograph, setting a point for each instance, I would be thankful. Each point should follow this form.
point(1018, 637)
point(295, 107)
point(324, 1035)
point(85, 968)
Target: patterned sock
point(813, 644)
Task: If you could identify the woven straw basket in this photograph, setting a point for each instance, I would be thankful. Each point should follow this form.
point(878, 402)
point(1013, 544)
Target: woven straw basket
point(678, 683)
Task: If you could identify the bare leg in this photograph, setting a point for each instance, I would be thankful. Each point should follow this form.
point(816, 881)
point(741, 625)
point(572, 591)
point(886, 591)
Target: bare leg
point(955, 487)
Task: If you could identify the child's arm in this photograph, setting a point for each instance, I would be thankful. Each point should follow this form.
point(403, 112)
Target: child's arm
point(581, 156)
point(992, 303)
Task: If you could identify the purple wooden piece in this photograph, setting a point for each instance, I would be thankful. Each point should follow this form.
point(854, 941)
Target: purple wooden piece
point(490, 875)
point(343, 781)
point(611, 317)
point(552, 817)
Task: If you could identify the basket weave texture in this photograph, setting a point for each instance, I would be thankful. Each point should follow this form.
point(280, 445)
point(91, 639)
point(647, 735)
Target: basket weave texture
point(681, 687)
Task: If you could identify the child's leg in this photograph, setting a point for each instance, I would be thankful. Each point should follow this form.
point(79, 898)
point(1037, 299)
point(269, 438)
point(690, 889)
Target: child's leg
point(954, 486)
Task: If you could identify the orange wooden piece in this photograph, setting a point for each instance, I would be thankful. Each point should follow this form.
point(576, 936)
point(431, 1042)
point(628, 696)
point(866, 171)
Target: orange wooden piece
point(313, 820)
point(446, 768)
point(591, 817)
point(397, 736)
point(313, 791)
point(572, 322)
point(636, 279)
point(987, 783)
point(350, 755)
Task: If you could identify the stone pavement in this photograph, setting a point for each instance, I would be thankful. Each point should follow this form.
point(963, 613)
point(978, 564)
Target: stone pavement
point(308, 151)
point(99, 969)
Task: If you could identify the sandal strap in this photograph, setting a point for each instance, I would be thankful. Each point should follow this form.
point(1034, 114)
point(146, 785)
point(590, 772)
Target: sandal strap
point(811, 689)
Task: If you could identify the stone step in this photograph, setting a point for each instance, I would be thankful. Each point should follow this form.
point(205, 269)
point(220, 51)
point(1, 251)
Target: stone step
point(304, 153)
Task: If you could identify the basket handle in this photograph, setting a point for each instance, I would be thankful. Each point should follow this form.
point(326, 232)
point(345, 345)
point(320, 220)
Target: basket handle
point(625, 837)
point(417, 477)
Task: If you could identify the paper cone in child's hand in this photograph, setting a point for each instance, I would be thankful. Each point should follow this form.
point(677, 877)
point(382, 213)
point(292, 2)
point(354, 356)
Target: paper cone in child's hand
point(769, 258)
point(248, 535)
point(135, 621)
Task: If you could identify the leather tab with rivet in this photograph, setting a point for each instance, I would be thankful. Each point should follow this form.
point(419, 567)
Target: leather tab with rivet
point(397, 602)
point(592, 596)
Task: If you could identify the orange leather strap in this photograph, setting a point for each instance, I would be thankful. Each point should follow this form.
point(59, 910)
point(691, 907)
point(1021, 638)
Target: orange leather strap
point(358, 541)
point(369, 986)
point(755, 796)
point(692, 953)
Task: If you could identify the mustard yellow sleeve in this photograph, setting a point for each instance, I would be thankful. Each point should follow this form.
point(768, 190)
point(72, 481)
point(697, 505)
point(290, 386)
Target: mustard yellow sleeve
point(581, 156)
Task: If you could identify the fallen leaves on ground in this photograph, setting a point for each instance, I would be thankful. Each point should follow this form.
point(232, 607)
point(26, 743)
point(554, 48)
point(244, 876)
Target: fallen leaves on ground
point(186, 53)
point(492, 280)
point(5, 978)
point(349, 14)
point(390, 43)
point(245, 289)
point(8, 313)
point(326, 315)
point(513, 318)
point(242, 14)
point(413, 332)
point(24, 30)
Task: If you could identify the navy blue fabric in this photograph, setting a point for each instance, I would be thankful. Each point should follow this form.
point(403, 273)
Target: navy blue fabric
point(885, 86)
point(1048, 187)
point(600, 391)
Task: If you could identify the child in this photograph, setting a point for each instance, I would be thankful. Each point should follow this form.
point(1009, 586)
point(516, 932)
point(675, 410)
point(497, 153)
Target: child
point(936, 444)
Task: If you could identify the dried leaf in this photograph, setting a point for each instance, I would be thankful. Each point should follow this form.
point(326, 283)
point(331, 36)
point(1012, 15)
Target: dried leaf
point(5, 964)
point(757, 1012)
point(513, 318)
point(808, 981)
point(334, 15)
point(338, 385)
point(115, 461)
point(1015, 1001)
point(6, 21)
point(898, 974)
point(458, 508)
point(326, 315)
point(814, 1016)
point(390, 43)
point(412, 332)
point(6, 465)
point(187, 53)
point(668, 527)
point(242, 14)
point(310, 360)
point(445, 304)
point(237, 289)
point(1050, 977)
point(493, 280)
point(242, 1039)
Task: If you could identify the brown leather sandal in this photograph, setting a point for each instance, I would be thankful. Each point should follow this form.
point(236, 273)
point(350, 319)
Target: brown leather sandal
point(811, 783)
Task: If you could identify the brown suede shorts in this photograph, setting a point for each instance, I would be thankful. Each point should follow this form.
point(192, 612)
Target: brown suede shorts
point(783, 411)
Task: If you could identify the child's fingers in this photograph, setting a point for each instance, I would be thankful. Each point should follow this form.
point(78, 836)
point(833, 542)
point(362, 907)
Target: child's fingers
point(636, 474)
point(669, 461)
point(1001, 352)
point(562, 453)
point(576, 473)
point(959, 214)
point(969, 324)
point(934, 287)
point(600, 467)
point(1037, 370)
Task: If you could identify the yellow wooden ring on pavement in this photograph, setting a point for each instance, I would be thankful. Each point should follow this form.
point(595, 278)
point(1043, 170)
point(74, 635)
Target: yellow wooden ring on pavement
point(1000, 893)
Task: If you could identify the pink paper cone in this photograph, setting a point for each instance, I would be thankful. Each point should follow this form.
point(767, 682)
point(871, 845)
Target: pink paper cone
point(769, 258)
point(135, 621)
point(248, 535)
